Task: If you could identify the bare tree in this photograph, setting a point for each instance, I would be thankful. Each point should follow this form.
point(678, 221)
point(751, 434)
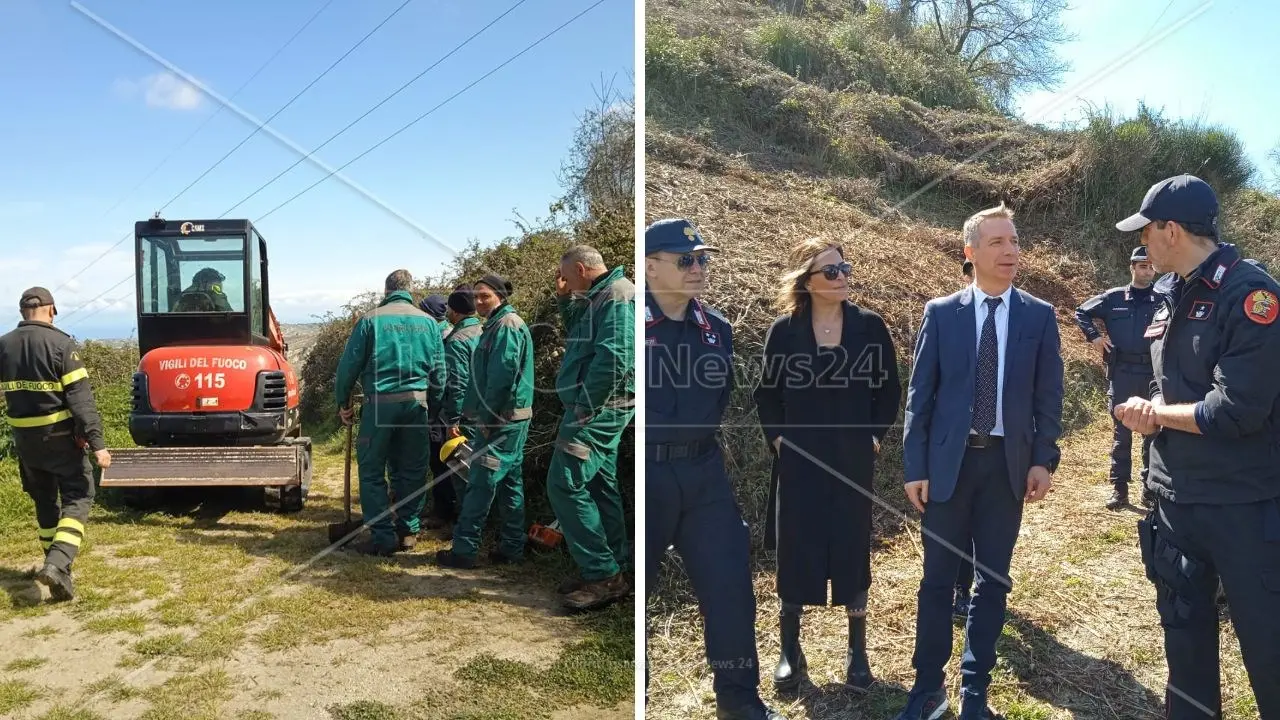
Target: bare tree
point(1009, 46)
point(600, 173)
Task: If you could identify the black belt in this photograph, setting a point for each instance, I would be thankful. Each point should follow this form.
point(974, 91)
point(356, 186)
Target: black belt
point(984, 441)
point(1132, 358)
point(666, 452)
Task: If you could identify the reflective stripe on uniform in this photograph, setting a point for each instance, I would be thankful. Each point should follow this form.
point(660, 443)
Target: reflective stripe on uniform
point(70, 531)
point(33, 385)
point(75, 375)
point(46, 536)
point(40, 420)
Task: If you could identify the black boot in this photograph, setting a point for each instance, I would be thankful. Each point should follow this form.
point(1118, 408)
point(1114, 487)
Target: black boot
point(792, 664)
point(857, 667)
point(1119, 496)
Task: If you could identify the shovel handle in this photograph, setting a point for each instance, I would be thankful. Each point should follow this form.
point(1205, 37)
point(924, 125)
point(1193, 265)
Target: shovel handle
point(346, 477)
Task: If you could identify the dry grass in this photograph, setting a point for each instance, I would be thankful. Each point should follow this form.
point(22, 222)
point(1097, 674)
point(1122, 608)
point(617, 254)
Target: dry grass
point(1082, 639)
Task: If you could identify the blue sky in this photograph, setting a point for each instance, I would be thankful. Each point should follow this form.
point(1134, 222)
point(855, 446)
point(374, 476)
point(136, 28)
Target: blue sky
point(87, 117)
point(1220, 67)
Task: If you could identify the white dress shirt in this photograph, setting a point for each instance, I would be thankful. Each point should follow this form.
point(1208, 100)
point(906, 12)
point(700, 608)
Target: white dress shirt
point(1002, 342)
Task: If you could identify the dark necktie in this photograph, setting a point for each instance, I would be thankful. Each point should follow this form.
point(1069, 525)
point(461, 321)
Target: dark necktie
point(984, 401)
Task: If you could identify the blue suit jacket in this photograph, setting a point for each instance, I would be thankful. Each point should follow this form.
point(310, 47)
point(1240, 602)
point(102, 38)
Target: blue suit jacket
point(939, 411)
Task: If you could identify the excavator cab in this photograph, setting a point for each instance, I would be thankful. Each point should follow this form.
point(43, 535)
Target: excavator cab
point(215, 399)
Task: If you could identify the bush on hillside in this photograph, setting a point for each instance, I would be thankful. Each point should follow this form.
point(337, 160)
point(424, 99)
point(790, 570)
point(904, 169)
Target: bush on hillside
point(862, 54)
point(1251, 218)
point(1124, 156)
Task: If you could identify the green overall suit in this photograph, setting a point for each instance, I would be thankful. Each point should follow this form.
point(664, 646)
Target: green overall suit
point(459, 345)
point(596, 384)
point(398, 355)
point(499, 404)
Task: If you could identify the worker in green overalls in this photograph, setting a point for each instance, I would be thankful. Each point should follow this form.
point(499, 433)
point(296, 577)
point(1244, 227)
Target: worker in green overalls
point(459, 345)
point(397, 354)
point(596, 384)
point(497, 408)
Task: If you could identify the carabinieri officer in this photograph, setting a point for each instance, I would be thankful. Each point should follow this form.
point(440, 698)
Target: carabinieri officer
point(689, 503)
point(1216, 418)
point(1125, 312)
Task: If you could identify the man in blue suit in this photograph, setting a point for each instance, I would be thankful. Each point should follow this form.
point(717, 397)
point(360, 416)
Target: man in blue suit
point(983, 416)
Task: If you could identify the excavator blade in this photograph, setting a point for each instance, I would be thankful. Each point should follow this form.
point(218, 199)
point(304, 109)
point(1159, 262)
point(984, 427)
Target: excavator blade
point(270, 466)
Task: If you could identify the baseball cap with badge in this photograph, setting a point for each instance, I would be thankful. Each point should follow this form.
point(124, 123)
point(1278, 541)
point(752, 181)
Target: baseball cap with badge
point(36, 297)
point(675, 235)
point(1138, 255)
point(1184, 199)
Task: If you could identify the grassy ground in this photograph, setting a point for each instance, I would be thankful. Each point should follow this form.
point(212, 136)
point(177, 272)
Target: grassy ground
point(1082, 640)
point(217, 610)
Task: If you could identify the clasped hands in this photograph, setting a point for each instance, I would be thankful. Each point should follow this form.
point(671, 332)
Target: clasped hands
point(1139, 415)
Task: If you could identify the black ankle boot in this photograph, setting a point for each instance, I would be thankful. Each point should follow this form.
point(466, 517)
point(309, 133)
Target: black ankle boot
point(791, 665)
point(857, 666)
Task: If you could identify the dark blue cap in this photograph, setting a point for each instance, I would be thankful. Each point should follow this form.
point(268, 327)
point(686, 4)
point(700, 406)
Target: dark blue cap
point(1184, 199)
point(434, 305)
point(675, 235)
point(1139, 254)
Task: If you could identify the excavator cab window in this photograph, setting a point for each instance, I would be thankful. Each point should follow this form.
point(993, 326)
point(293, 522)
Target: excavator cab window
point(193, 275)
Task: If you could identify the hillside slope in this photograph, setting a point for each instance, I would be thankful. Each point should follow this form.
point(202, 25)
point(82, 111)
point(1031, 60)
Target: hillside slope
point(760, 158)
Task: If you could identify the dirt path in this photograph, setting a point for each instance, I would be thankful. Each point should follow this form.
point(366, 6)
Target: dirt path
point(1082, 640)
point(187, 617)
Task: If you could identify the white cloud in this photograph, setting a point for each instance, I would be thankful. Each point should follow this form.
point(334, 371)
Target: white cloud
point(162, 90)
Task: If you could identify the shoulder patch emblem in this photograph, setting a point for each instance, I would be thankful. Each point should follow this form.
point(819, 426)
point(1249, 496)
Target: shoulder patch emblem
point(1200, 310)
point(1262, 307)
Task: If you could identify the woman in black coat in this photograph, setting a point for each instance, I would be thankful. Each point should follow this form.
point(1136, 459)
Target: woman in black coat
point(828, 394)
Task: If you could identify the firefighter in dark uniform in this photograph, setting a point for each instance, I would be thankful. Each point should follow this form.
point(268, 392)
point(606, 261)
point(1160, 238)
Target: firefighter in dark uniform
point(689, 502)
point(1125, 312)
point(52, 413)
point(1215, 413)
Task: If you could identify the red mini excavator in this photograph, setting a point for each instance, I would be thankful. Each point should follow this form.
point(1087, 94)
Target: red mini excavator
point(215, 400)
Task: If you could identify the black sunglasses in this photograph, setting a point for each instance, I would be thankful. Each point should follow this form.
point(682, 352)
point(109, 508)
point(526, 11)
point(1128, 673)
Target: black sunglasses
point(686, 261)
point(831, 272)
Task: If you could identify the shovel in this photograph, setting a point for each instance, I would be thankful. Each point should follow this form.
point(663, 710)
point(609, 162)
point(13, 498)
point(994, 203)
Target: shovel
point(338, 531)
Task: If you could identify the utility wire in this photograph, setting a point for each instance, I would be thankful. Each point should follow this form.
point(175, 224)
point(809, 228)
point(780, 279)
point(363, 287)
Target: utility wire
point(192, 136)
point(413, 122)
point(475, 82)
point(256, 128)
point(366, 113)
point(94, 299)
point(299, 94)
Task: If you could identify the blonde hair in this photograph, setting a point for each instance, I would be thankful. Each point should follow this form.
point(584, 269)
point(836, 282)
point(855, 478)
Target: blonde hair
point(793, 297)
point(971, 226)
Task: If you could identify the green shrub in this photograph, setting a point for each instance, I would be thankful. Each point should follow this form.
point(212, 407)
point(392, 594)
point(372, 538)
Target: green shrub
point(1124, 157)
point(681, 80)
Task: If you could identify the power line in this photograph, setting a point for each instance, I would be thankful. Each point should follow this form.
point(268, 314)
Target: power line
point(413, 122)
point(299, 94)
point(192, 136)
point(256, 128)
point(366, 113)
point(472, 84)
point(94, 299)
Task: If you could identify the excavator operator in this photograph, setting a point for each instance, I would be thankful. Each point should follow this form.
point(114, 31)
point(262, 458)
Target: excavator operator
point(205, 293)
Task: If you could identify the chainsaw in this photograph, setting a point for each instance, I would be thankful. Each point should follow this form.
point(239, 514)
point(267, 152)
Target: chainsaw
point(547, 537)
